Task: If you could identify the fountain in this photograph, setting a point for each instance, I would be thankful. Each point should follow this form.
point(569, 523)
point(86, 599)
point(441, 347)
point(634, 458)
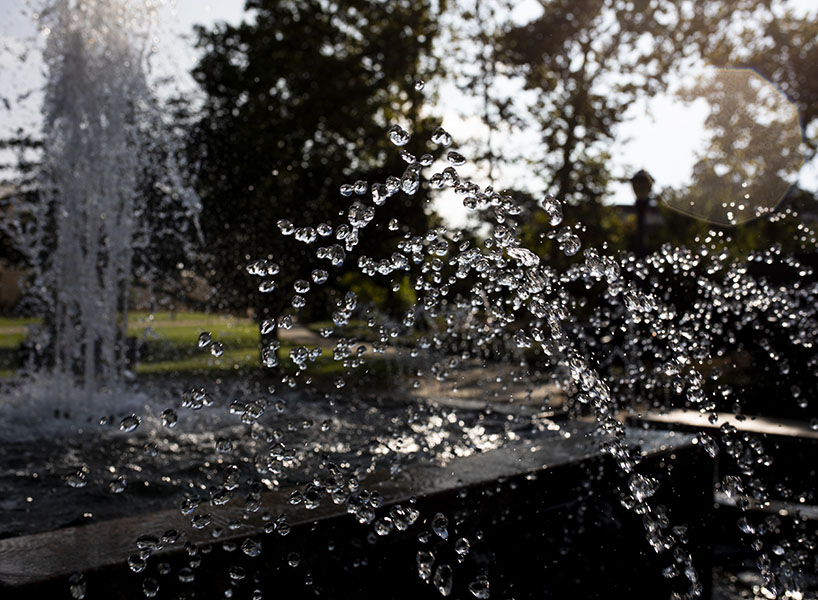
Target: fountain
point(101, 159)
point(276, 477)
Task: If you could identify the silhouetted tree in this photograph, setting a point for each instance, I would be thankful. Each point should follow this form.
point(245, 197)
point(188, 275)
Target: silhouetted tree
point(298, 101)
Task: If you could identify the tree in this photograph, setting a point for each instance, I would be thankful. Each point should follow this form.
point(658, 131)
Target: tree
point(587, 63)
point(584, 64)
point(297, 102)
point(781, 47)
point(753, 152)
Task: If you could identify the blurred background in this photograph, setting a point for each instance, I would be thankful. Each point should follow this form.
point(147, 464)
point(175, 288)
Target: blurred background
point(654, 123)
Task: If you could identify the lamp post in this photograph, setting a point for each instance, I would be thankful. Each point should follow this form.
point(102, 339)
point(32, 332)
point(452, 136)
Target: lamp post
point(641, 182)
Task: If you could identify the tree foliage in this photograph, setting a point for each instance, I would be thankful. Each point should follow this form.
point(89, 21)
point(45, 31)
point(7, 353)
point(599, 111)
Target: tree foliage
point(585, 64)
point(298, 101)
point(753, 152)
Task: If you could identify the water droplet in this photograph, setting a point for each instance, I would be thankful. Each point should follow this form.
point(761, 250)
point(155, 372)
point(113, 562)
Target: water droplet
point(267, 326)
point(440, 525)
point(524, 256)
point(425, 560)
point(251, 547)
point(480, 588)
point(384, 526)
point(137, 563)
point(150, 587)
point(293, 559)
point(285, 226)
point(442, 137)
point(298, 301)
point(306, 235)
point(204, 339)
point(521, 339)
point(732, 486)
point(169, 418)
point(443, 579)
point(419, 84)
point(398, 135)
point(148, 542)
point(312, 499)
point(129, 423)
point(709, 445)
point(117, 485)
point(359, 217)
point(569, 242)
point(410, 182)
point(217, 349)
point(456, 158)
point(196, 398)
point(319, 276)
point(553, 209)
point(360, 187)
point(76, 585)
point(201, 521)
point(171, 536)
point(390, 187)
point(745, 526)
point(408, 157)
point(642, 487)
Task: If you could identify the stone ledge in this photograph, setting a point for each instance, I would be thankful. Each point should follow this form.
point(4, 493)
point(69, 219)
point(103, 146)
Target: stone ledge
point(529, 477)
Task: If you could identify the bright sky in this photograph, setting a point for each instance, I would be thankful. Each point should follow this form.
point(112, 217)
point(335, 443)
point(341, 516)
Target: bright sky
point(663, 137)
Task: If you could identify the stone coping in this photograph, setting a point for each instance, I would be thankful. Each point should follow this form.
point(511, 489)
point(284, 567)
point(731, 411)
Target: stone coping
point(692, 419)
point(33, 559)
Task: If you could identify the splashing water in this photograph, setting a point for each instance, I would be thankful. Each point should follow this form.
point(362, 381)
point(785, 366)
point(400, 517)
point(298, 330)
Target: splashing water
point(97, 177)
point(491, 318)
point(509, 303)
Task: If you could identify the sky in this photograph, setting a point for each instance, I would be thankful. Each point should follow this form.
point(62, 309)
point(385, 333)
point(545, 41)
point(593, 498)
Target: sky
point(663, 135)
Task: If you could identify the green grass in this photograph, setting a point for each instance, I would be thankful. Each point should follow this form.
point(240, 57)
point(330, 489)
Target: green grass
point(142, 318)
point(168, 342)
point(231, 360)
point(19, 321)
point(362, 332)
point(354, 329)
point(168, 345)
point(376, 371)
point(11, 340)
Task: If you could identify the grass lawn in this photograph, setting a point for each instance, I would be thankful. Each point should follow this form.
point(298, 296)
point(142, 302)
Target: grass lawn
point(168, 342)
point(168, 345)
point(11, 340)
point(173, 338)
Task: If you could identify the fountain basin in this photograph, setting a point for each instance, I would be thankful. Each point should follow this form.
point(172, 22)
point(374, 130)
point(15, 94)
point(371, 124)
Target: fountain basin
point(543, 517)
